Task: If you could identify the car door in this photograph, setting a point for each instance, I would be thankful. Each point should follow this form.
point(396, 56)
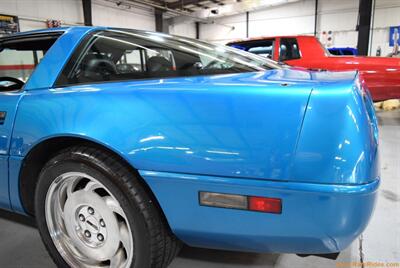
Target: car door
point(8, 104)
point(18, 59)
point(15, 66)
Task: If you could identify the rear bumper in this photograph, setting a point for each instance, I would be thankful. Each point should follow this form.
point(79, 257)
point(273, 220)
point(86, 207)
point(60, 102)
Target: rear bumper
point(316, 218)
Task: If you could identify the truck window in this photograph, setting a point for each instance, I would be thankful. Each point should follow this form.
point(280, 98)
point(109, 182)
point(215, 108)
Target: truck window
point(263, 48)
point(19, 57)
point(289, 49)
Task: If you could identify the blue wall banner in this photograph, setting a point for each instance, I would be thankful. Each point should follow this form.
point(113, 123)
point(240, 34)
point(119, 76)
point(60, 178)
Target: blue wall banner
point(394, 30)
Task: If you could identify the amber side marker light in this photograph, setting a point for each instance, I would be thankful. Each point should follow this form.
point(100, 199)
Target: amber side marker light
point(244, 202)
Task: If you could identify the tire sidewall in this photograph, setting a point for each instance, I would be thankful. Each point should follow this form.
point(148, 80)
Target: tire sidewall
point(80, 163)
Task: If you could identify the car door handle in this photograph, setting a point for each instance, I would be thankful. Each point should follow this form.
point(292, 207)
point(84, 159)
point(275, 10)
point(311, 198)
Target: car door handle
point(2, 117)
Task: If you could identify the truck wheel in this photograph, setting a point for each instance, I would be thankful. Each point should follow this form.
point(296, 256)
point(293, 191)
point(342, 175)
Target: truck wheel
point(92, 211)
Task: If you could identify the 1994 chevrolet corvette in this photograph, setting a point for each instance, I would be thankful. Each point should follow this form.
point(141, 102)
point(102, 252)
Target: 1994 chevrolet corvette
point(123, 144)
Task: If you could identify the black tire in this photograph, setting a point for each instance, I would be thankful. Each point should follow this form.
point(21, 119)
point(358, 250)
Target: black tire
point(154, 244)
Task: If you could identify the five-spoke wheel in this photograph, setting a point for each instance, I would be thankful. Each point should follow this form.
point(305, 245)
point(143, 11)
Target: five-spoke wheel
point(92, 210)
point(86, 222)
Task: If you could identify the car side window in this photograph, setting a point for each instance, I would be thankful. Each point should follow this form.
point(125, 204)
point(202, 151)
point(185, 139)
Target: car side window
point(117, 55)
point(289, 49)
point(136, 60)
point(20, 56)
point(131, 60)
point(19, 63)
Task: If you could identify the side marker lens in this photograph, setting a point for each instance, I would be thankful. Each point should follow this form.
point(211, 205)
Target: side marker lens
point(244, 202)
point(223, 200)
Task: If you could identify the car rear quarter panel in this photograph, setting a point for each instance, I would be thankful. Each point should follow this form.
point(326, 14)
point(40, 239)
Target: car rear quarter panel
point(339, 138)
point(241, 125)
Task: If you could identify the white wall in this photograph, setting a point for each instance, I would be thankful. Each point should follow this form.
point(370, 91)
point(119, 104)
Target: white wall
point(107, 14)
point(34, 13)
point(339, 16)
point(219, 32)
point(187, 29)
point(342, 20)
point(69, 11)
point(387, 14)
point(287, 19)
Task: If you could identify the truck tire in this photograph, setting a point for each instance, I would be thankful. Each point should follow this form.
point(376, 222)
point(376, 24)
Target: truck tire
point(92, 210)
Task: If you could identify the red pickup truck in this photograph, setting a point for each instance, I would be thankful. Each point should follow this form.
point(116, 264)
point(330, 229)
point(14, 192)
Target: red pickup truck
point(381, 74)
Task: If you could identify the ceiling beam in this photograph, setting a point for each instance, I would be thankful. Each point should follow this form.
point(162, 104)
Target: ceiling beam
point(87, 12)
point(182, 3)
point(158, 16)
point(217, 2)
point(169, 10)
point(364, 26)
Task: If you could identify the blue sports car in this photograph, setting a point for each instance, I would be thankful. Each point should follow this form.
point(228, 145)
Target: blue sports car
point(123, 144)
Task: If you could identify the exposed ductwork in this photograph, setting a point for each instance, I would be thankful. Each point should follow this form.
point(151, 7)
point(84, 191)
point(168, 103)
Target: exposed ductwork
point(204, 11)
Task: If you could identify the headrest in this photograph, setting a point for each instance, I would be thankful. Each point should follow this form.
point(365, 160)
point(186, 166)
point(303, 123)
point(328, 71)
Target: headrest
point(158, 64)
point(98, 67)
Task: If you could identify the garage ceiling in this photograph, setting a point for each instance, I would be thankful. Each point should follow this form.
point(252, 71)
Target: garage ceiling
point(204, 9)
point(193, 5)
point(218, 8)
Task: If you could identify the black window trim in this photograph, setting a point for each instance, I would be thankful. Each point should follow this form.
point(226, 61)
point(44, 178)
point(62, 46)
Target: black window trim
point(29, 37)
point(250, 41)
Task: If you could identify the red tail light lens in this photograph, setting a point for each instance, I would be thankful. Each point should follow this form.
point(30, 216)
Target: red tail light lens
point(265, 204)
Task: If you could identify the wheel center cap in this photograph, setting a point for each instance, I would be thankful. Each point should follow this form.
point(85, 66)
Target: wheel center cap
point(89, 221)
point(92, 225)
point(91, 228)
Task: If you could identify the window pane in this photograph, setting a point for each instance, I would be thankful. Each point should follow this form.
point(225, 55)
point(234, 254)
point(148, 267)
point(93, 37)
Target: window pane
point(17, 64)
point(265, 51)
point(264, 48)
point(19, 58)
point(130, 61)
point(119, 55)
point(289, 49)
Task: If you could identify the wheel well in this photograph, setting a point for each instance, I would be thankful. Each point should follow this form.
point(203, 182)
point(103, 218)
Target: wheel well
point(43, 152)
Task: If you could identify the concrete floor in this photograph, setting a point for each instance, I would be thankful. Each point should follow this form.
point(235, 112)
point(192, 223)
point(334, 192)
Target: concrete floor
point(20, 244)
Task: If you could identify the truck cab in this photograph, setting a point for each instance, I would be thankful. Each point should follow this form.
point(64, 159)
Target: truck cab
point(381, 74)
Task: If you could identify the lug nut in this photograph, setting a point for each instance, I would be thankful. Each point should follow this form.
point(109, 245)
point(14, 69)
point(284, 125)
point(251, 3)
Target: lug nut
point(102, 223)
point(81, 217)
point(90, 210)
point(100, 237)
point(87, 234)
